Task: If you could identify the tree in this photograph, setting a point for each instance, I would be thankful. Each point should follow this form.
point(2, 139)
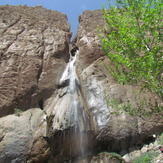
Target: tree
point(132, 39)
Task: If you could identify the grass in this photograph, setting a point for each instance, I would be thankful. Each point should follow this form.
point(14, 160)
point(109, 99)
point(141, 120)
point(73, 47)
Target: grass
point(146, 157)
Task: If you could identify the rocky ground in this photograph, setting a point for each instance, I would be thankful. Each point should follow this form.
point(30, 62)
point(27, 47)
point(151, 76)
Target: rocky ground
point(154, 148)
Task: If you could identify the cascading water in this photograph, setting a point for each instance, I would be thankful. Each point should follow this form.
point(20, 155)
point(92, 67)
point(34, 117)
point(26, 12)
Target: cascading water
point(77, 114)
point(69, 113)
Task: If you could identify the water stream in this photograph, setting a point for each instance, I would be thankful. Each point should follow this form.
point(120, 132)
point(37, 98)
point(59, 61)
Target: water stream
point(77, 114)
point(69, 112)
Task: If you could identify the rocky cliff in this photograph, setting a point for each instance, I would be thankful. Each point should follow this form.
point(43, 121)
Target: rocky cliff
point(53, 111)
point(34, 49)
point(115, 129)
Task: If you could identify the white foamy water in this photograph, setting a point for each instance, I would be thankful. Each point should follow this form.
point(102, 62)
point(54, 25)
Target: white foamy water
point(70, 74)
point(68, 108)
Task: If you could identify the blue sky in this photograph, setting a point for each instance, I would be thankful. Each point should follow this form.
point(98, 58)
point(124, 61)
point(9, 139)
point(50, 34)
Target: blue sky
point(72, 8)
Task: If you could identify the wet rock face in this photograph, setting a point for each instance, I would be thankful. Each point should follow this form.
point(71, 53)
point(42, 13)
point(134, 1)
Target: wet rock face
point(114, 129)
point(33, 53)
point(69, 127)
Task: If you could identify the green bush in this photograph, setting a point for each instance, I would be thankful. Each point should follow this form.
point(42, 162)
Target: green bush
point(134, 110)
point(146, 157)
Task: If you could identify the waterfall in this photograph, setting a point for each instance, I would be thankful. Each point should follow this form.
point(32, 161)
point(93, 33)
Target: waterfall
point(69, 111)
point(70, 74)
point(76, 115)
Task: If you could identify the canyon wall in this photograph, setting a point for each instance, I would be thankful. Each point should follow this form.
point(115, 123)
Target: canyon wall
point(37, 124)
point(115, 129)
point(34, 50)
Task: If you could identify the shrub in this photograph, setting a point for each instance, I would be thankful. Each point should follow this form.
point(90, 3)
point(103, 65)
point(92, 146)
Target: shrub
point(146, 157)
point(132, 39)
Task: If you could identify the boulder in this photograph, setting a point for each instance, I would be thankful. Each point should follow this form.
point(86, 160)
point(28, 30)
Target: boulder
point(105, 157)
point(17, 135)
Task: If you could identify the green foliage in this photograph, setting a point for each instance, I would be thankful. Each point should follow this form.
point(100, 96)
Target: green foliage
point(17, 112)
point(146, 157)
point(139, 109)
point(116, 157)
point(113, 154)
point(132, 39)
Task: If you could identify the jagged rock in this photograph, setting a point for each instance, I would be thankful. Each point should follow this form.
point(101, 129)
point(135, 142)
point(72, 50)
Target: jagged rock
point(40, 151)
point(127, 158)
point(86, 38)
point(33, 53)
point(144, 149)
point(155, 143)
point(135, 154)
point(150, 146)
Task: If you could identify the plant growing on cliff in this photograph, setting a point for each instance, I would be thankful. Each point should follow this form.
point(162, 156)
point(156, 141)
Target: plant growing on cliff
point(138, 109)
point(132, 39)
point(17, 112)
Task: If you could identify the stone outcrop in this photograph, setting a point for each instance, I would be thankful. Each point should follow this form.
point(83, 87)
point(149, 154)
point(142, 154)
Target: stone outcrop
point(107, 157)
point(33, 53)
point(106, 99)
point(17, 133)
point(87, 39)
